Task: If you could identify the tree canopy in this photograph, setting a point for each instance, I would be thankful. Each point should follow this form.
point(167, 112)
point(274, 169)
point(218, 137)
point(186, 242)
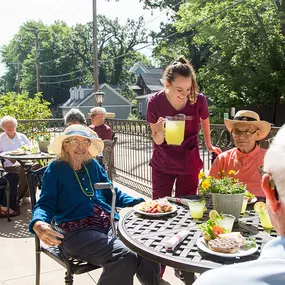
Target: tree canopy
point(66, 56)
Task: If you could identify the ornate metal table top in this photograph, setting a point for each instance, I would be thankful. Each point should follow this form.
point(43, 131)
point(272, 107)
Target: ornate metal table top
point(147, 235)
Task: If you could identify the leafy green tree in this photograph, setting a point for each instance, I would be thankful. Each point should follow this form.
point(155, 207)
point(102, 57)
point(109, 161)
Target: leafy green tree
point(66, 56)
point(247, 62)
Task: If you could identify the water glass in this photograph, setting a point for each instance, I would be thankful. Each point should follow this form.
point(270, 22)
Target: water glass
point(226, 222)
point(196, 208)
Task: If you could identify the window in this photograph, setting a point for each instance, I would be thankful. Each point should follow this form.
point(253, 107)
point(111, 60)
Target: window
point(140, 108)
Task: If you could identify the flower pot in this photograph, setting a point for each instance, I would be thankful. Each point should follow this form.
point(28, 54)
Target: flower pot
point(228, 203)
point(43, 146)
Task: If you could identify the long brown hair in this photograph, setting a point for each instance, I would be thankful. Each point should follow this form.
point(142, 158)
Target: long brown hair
point(182, 67)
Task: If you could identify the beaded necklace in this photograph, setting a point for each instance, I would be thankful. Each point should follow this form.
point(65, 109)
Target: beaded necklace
point(81, 187)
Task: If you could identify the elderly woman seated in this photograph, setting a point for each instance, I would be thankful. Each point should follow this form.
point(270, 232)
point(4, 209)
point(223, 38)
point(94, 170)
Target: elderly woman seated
point(12, 140)
point(68, 197)
point(246, 128)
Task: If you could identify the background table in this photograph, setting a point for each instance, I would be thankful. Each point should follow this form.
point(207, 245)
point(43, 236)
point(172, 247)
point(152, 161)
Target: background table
point(146, 236)
point(22, 159)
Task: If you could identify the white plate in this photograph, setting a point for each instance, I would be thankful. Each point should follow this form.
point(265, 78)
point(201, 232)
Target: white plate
point(241, 252)
point(252, 201)
point(137, 210)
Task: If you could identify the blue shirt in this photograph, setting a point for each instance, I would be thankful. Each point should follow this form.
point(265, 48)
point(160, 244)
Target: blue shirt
point(269, 268)
point(63, 200)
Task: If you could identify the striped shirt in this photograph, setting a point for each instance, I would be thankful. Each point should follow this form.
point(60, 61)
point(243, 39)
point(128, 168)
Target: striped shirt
point(100, 220)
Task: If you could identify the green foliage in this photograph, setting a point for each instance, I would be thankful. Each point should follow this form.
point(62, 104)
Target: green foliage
point(66, 56)
point(247, 60)
point(25, 108)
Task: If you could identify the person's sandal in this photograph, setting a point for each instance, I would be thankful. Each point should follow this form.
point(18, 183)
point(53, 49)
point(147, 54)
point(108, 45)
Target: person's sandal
point(4, 213)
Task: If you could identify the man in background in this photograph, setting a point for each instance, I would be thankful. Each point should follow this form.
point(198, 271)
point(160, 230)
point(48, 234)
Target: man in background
point(98, 115)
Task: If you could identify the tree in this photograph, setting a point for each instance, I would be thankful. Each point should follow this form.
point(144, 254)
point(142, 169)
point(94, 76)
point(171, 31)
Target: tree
point(247, 62)
point(66, 56)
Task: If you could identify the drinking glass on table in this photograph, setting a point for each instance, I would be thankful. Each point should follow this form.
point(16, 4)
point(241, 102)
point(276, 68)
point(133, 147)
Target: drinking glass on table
point(226, 222)
point(196, 208)
point(244, 205)
point(265, 220)
point(174, 129)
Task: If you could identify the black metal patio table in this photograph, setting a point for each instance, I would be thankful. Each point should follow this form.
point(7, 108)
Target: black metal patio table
point(23, 159)
point(146, 236)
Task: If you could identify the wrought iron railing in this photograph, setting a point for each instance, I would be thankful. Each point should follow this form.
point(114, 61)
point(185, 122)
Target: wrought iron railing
point(134, 145)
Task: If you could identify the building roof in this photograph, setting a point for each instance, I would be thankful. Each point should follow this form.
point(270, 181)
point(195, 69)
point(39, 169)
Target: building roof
point(151, 79)
point(88, 93)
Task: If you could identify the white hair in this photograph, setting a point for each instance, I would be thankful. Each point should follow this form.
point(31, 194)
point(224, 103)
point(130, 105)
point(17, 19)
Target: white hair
point(73, 116)
point(7, 119)
point(99, 110)
point(274, 162)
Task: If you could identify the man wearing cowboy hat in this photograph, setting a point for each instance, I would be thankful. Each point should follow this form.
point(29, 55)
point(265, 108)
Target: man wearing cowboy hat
point(246, 128)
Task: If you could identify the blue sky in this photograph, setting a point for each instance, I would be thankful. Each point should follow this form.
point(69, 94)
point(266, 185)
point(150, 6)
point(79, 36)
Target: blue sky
point(15, 12)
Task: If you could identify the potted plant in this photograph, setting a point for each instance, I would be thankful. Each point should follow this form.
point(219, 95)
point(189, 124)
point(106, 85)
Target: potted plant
point(43, 140)
point(226, 191)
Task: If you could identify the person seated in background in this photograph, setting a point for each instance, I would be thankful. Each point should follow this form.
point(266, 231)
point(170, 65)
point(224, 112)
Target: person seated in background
point(246, 129)
point(68, 197)
point(268, 269)
point(98, 115)
point(74, 116)
point(12, 140)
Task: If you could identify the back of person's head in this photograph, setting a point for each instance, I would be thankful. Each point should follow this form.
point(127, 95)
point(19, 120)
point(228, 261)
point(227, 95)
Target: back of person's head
point(274, 162)
point(74, 116)
point(182, 67)
point(99, 110)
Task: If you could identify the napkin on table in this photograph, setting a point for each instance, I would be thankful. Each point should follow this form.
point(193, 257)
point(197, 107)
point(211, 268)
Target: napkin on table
point(175, 240)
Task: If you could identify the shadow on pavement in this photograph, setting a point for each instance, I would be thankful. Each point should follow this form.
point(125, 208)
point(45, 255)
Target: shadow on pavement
point(18, 227)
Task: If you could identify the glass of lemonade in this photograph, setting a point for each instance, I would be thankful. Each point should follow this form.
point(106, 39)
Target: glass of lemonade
point(244, 205)
point(196, 208)
point(34, 149)
point(265, 220)
point(174, 129)
point(226, 222)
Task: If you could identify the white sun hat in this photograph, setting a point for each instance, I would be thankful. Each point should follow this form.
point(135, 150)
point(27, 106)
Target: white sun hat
point(250, 118)
point(95, 148)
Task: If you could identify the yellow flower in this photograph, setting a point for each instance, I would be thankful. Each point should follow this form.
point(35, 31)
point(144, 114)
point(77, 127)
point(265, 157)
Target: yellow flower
point(201, 175)
point(232, 173)
point(206, 184)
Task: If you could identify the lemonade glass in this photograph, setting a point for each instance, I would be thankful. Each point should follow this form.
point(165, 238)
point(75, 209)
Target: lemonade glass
point(174, 129)
point(244, 205)
point(197, 208)
point(265, 220)
point(34, 149)
point(226, 222)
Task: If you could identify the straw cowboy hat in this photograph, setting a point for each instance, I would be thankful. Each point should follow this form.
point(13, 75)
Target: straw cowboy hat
point(95, 148)
point(250, 118)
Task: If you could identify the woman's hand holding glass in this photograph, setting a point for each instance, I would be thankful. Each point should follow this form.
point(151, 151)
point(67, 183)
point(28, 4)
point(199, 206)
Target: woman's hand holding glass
point(46, 234)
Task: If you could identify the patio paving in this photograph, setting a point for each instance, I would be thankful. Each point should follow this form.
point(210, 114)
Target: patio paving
point(17, 252)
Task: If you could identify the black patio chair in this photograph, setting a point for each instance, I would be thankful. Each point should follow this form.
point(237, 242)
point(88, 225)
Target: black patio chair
point(5, 186)
point(57, 253)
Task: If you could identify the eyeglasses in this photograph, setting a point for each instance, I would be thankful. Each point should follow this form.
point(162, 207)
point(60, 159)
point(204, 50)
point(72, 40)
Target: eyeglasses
point(271, 181)
point(246, 134)
point(77, 143)
point(94, 115)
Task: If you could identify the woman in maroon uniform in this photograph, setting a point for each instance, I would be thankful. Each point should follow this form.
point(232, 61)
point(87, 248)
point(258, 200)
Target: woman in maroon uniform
point(178, 164)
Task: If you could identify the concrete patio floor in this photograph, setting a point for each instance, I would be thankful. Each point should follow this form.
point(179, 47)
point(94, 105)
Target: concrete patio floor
point(17, 263)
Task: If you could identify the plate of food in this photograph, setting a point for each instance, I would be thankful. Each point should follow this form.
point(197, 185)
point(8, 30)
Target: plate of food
point(155, 208)
point(17, 152)
point(228, 245)
point(218, 240)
